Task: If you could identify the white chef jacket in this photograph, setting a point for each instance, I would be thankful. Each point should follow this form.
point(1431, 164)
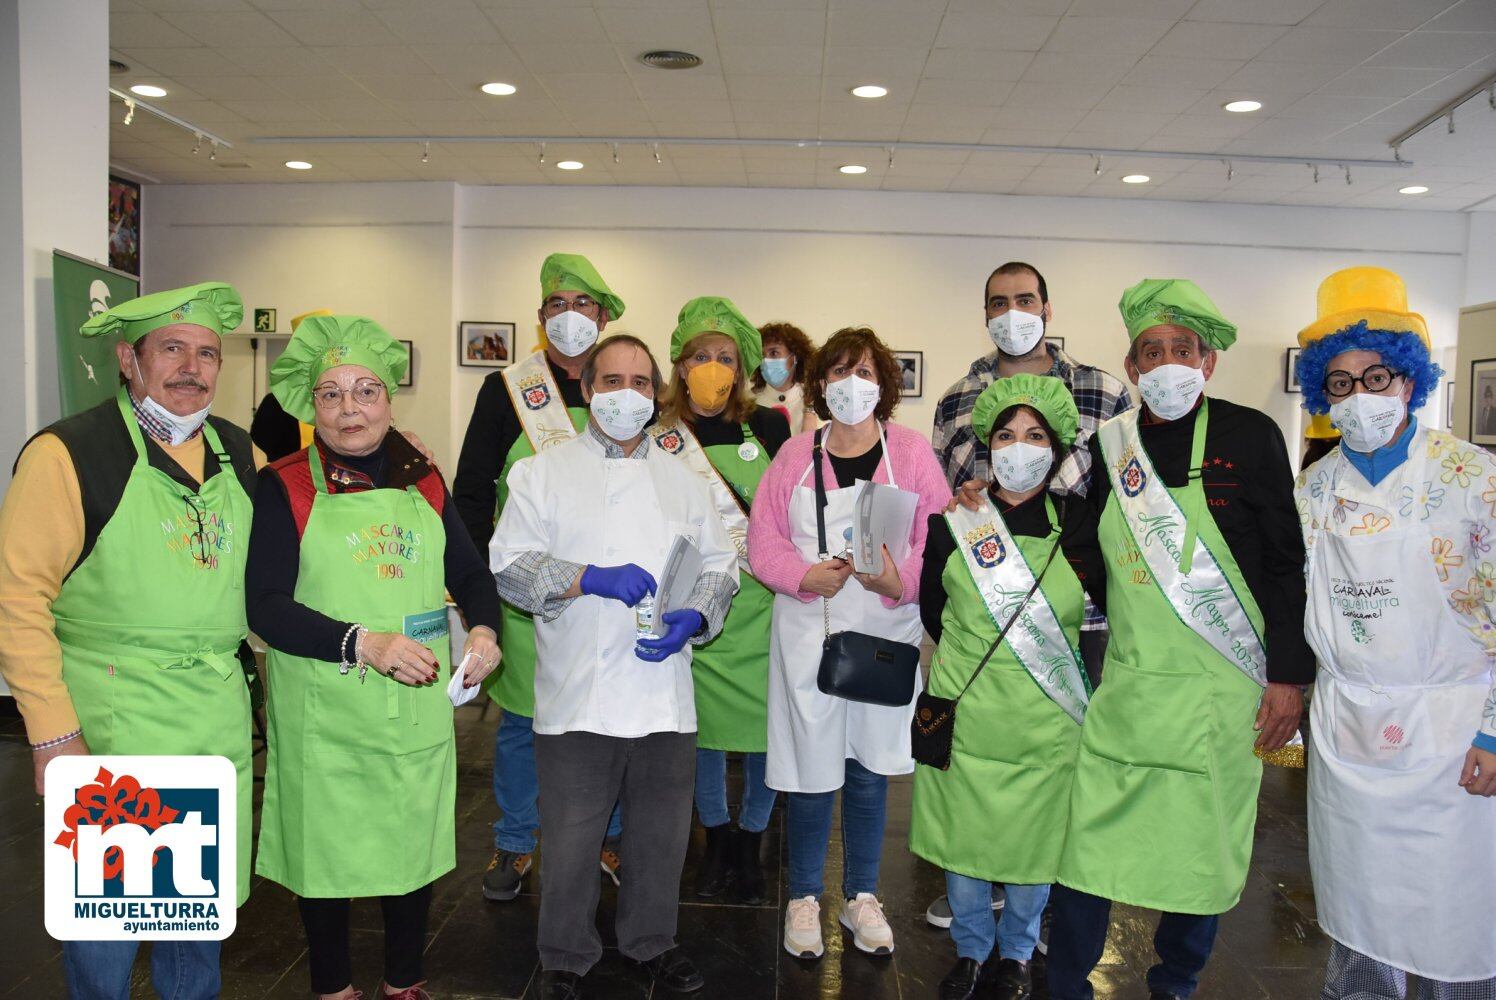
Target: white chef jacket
point(574, 503)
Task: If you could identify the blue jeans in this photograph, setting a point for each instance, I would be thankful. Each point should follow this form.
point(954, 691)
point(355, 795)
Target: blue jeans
point(180, 970)
point(711, 791)
point(808, 824)
point(516, 788)
point(1183, 942)
point(973, 928)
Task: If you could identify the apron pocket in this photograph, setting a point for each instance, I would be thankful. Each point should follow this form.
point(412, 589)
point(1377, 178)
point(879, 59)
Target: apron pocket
point(1388, 730)
point(1162, 719)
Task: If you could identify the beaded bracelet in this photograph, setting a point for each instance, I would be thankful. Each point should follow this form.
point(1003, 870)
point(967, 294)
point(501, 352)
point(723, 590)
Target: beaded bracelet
point(57, 741)
point(358, 654)
point(345, 664)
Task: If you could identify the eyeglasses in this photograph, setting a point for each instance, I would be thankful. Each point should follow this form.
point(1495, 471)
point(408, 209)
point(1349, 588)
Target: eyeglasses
point(197, 509)
point(556, 305)
point(364, 393)
point(1377, 378)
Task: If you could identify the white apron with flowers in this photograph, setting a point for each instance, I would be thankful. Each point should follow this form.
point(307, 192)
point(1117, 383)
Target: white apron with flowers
point(1401, 585)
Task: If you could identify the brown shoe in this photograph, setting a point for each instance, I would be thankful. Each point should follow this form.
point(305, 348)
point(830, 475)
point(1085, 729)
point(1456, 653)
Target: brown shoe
point(610, 860)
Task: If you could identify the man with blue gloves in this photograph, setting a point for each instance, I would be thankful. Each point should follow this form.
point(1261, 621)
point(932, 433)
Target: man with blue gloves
point(581, 542)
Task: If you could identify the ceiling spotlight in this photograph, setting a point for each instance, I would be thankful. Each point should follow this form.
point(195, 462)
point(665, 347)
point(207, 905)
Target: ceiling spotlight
point(129, 112)
point(498, 89)
point(425, 152)
point(852, 168)
point(569, 165)
point(298, 165)
point(869, 90)
point(1413, 189)
point(1136, 179)
point(148, 90)
point(1242, 107)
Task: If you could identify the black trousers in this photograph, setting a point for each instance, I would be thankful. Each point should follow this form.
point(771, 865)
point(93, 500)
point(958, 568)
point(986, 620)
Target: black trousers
point(326, 922)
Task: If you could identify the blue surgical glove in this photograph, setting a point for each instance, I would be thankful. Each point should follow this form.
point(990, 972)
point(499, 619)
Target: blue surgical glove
point(681, 625)
point(627, 584)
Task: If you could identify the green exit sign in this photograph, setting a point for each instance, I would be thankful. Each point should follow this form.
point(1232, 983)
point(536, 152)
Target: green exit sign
point(264, 321)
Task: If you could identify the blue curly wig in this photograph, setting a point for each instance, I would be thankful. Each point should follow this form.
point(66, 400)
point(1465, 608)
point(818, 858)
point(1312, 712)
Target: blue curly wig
point(1403, 352)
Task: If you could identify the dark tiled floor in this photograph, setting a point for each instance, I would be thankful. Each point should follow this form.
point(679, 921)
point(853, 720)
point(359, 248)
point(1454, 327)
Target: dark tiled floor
point(1270, 945)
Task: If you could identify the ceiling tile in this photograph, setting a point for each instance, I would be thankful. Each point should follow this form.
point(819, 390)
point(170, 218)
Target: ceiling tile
point(976, 64)
point(1217, 126)
point(770, 59)
point(1472, 15)
point(1040, 96)
point(882, 28)
point(769, 27)
point(1063, 119)
point(132, 30)
point(775, 88)
point(420, 25)
point(1258, 78)
point(962, 93)
point(1135, 124)
point(1332, 108)
point(559, 25)
point(841, 60)
point(1226, 41)
point(703, 84)
point(994, 32)
point(1009, 136)
point(673, 29)
point(798, 113)
point(1169, 9)
point(1447, 49)
point(1333, 45)
point(1107, 35)
point(1153, 100)
point(418, 111)
point(585, 57)
point(587, 86)
point(689, 111)
point(245, 88)
point(1400, 15)
point(1389, 82)
point(1255, 12)
point(1098, 72)
point(1180, 71)
point(331, 29)
point(417, 88)
point(475, 63)
point(273, 111)
point(176, 62)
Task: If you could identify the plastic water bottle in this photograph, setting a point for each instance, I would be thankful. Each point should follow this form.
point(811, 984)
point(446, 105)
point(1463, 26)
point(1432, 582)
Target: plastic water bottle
point(644, 617)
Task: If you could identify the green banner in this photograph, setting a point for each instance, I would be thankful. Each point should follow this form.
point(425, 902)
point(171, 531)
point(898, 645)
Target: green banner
point(87, 372)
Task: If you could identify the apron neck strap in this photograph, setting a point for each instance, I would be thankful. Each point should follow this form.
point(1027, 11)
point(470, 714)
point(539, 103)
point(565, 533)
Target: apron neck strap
point(1194, 506)
point(127, 411)
point(314, 465)
point(1054, 520)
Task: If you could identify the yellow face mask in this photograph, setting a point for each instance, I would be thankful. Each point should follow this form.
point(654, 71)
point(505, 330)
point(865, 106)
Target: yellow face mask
point(709, 384)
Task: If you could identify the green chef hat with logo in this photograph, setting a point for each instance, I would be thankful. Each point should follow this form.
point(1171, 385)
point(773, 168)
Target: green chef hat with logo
point(571, 272)
point(213, 305)
point(325, 342)
point(1046, 394)
point(715, 314)
point(1175, 302)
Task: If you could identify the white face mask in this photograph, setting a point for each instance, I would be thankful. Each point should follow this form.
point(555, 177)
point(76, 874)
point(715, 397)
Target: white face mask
point(621, 414)
point(571, 332)
point(181, 427)
point(1015, 332)
point(1171, 390)
point(1367, 422)
point(852, 399)
point(1021, 466)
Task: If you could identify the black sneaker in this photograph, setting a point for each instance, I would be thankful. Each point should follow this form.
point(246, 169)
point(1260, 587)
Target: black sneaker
point(505, 875)
point(961, 982)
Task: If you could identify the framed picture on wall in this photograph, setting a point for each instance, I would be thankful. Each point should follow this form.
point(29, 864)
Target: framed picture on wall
point(485, 345)
point(124, 225)
point(913, 365)
point(1291, 370)
point(1483, 402)
point(1057, 341)
point(410, 370)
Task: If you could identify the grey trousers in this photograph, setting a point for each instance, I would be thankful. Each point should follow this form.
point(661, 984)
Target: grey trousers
point(581, 776)
point(1354, 976)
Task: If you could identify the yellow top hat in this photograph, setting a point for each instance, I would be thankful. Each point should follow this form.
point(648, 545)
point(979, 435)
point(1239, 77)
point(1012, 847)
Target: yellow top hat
point(1373, 294)
point(296, 320)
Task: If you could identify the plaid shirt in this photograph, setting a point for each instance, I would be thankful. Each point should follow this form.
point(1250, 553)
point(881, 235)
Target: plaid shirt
point(1098, 397)
point(154, 426)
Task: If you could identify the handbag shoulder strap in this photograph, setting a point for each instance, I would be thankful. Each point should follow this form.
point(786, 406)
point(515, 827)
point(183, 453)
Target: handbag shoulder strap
point(815, 460)
point(1038, 579)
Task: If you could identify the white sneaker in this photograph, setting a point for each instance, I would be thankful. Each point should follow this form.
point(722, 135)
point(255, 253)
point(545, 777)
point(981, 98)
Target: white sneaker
point(802, 928)
point(863, 916)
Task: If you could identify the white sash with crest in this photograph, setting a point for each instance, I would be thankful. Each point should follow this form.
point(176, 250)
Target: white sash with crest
point(537, 402)
point(1003, 578)
point(1204, 598)
point(678, 440)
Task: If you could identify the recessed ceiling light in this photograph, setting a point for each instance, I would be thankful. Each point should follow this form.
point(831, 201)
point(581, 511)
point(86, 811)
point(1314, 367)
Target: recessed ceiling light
point(852, 168)
point(1413, 189)
point(1242, 107)
point(1136, 179)
point(569, 165)
point(498, 89)
point(148, 90)
point(298, 165)
point(869, 90)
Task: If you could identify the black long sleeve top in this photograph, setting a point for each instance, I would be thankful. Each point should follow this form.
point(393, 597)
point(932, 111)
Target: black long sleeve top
point(770, 427)
point(1078, 546)
point(273, 562)
point(491, 432)
point(1249, 491)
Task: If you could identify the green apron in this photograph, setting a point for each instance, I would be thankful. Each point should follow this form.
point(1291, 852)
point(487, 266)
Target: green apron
point(1165, 791)
point(150, 623)
point(1001, 810)
point(512, 684)
point(360, 783)
point(731, 673)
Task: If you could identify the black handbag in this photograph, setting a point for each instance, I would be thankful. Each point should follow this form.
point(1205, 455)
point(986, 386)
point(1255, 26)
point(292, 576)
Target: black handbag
point(854, 665)
point(932, 732)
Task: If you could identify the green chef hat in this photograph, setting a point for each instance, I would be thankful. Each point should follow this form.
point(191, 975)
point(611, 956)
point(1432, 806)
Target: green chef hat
point(212, 305)
point(571, 272)
point(323, 342)
point(715, 314)
point(1044, 393)
point(1177, 301)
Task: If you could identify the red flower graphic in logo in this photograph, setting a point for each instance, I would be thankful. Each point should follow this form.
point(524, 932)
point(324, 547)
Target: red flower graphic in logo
point(1393, 733)
point(671, 441)
point(537, 396)
point(107, 802)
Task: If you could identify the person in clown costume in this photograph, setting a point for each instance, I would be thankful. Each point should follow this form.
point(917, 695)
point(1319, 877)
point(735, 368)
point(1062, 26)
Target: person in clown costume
point(1402, 765)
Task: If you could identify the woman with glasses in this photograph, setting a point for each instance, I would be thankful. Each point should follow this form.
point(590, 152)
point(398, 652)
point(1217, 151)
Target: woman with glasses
point(819, 743)
point(708, 418)
point(355, 544)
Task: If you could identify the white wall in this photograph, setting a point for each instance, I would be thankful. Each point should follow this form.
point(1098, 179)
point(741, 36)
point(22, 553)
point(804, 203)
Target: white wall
point(1480, 260)
point(910, 265)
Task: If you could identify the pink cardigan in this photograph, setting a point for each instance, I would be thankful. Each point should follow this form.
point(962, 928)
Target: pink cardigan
point(772, 554)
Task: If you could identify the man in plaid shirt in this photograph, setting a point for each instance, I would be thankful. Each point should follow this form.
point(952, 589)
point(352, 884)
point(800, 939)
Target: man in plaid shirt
point(1019, 288)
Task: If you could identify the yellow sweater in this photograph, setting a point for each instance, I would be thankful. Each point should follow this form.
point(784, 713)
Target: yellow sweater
point(41, 536)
